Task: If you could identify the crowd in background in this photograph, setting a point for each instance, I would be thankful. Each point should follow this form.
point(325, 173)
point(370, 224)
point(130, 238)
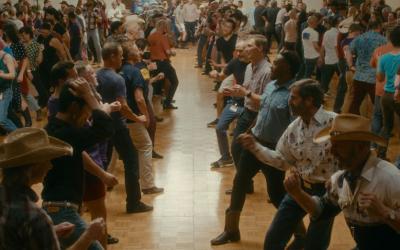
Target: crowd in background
point(98, 77)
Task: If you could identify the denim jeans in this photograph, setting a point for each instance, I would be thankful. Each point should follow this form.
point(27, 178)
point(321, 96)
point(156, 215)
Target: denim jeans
point(389, 108)
point(129, 155)
point(286, 220)
point(208, 67)
point(377, 117)
point(72, 216)
point(327, 73)
point(200, 46)
point(244, 122)
point(309, 67)
point(190, 30)
point(5, 101)
point(226, 117)
point(94, 35)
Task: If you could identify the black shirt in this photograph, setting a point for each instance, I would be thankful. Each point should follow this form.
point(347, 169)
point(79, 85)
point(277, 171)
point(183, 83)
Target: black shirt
point(227, 47)
point(237, 68)
point(65, 181)
point(258, 20)
point(271, 14)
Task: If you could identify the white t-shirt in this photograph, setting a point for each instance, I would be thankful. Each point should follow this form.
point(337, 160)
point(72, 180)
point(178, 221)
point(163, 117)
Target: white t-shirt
point(329, 43)
point(190, 12)
point(280, 16)
point(308, 36)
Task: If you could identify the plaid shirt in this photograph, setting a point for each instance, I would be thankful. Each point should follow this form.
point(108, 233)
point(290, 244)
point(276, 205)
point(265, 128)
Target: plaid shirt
point(32, 51)
point(92, 18)
point(23, 225)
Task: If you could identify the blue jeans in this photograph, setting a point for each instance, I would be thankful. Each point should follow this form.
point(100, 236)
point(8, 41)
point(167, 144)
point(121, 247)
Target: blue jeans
point(127, 152)
point(190, 30)
point(286, 220)
point(377, 117)
point(94, 35)
point(5, 101)
point(309, 67)
point(200, 47)
point(72, 216)
point(227, 116)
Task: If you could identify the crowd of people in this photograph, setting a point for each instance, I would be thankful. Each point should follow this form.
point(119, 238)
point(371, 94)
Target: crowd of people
point(99, 77)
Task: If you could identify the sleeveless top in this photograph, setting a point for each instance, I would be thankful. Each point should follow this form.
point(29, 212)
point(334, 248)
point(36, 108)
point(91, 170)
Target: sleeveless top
point(50, 56)
point(4, 83)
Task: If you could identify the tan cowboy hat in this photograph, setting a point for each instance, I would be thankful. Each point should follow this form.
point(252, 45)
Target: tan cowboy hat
point(349, 127)
point(345, 24)
point(30, 145)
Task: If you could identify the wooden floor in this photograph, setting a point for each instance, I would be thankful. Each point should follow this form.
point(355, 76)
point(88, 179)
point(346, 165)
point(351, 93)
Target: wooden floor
point(191, 211)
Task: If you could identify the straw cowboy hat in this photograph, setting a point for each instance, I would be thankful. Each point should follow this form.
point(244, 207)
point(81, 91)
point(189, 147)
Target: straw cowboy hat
point(349, 127)
point(30, 145)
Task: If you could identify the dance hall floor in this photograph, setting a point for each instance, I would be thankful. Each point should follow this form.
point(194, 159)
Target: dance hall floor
point(191, 210)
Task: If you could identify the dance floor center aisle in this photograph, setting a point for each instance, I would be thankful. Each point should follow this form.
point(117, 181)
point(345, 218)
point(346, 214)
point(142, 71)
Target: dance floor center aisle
point(191, 210)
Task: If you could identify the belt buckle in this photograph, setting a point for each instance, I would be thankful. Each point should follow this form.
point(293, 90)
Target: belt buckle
point(307, 184)
point(52, 209)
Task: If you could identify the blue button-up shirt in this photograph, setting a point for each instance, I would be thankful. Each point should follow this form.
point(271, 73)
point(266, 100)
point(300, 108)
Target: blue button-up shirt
point(274, 114)
point(363, 47)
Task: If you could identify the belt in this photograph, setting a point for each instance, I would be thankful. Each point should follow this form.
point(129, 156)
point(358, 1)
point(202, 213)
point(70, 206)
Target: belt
point(312, 186)
point(54, 206)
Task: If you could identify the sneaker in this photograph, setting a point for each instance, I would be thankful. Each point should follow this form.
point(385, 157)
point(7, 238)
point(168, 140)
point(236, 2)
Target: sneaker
point(153, 190)
point(111, 240)
point(139, 208)
point(156, 155)
point(212, 124)
point(222, 163)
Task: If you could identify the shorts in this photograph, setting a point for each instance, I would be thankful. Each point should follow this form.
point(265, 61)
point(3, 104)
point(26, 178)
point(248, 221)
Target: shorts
point(94, 188)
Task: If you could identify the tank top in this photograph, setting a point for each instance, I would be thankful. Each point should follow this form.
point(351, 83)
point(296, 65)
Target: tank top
point(4, 83)
point(50, 56)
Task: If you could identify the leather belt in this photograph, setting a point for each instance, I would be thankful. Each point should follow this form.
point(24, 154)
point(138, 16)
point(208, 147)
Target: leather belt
point(52, 206)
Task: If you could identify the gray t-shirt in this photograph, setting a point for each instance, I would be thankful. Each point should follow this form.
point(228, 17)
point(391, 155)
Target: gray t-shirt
point(111, 86)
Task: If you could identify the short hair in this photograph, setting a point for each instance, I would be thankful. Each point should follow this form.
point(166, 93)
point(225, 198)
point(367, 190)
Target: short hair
point(81, 67)
point(60, 71)
point(115, 26)
point(46, 26)
point(27, 30)
point(231, 21)
point(374, 25)
point(66, 99)
point(355, 27)
point(394, 36)
point(260, 41)
point(109, 49)
point(293, 60)
point(71, 15)
point(310, 88)
point(141, 43)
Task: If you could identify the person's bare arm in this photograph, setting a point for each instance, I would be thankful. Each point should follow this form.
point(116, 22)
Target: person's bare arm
point(92, 167)
point(23, 69)
point(141, 102)
point(55, 43)
point(8, 61)
point(128, 113)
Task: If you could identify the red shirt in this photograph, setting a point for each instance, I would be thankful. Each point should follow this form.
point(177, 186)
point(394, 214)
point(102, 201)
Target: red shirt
point(158, 45)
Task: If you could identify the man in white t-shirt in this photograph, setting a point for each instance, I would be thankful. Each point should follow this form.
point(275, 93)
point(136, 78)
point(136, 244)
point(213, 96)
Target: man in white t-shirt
point(329, 56)
point(311, 48)
point(190, 16)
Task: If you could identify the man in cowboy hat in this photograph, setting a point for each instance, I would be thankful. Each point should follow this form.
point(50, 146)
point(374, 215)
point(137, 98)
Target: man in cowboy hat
point(25, 158)
point(366, 188)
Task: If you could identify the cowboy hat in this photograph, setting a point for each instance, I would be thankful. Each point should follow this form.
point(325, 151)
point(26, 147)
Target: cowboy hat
point(349, 127)
point(30, 145)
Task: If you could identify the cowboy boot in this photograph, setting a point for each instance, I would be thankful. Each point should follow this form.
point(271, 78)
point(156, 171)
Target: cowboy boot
point(231, 232)
point(27, 117)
